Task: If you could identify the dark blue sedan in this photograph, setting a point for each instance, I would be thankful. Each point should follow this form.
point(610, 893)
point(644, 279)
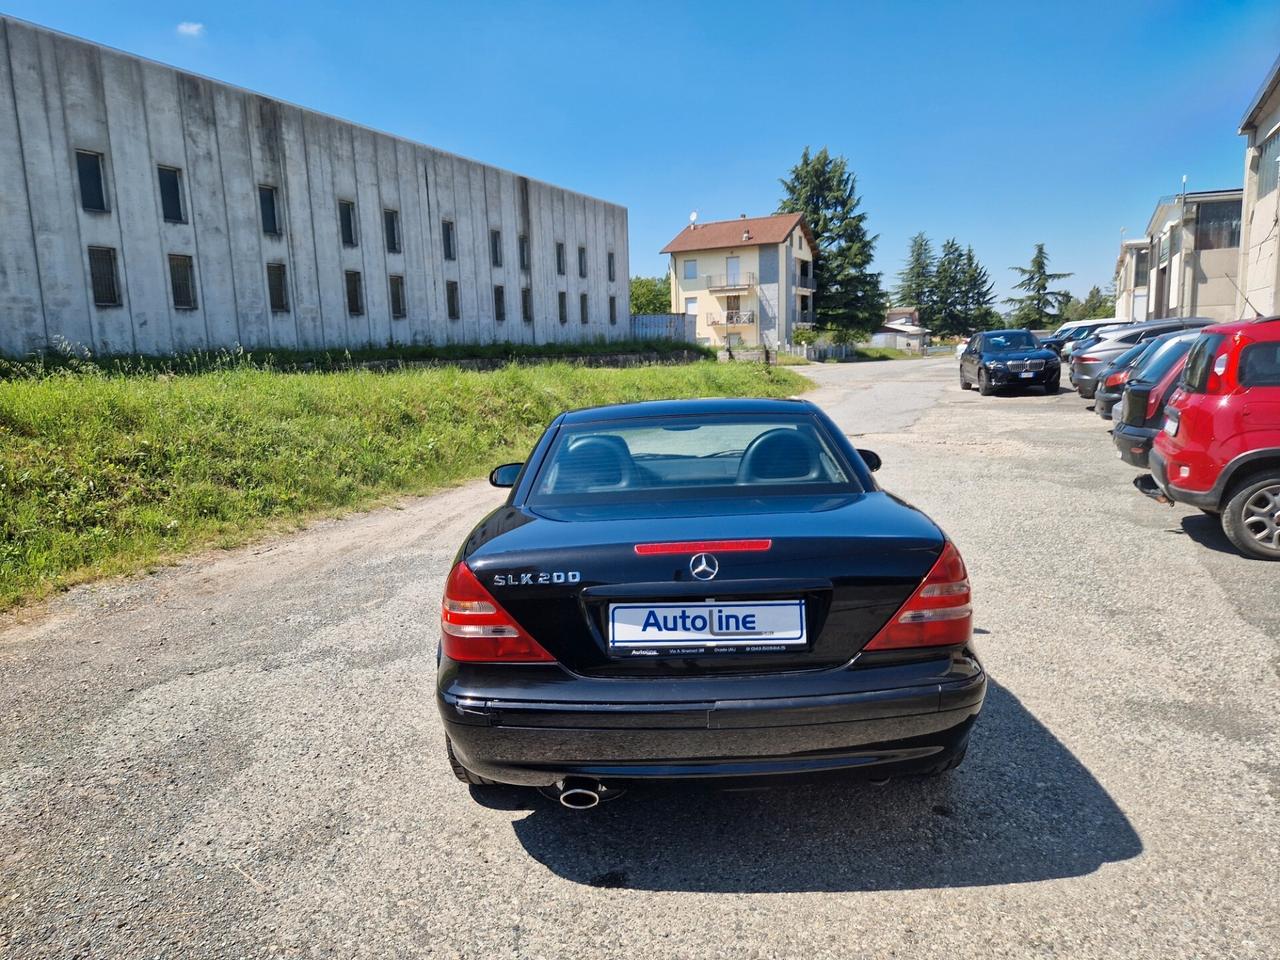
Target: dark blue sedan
point(1008, 358)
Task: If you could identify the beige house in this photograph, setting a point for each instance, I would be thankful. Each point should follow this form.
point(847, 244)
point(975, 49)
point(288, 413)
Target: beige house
point(902, 331)
point(748, 282)
point(1259, 293)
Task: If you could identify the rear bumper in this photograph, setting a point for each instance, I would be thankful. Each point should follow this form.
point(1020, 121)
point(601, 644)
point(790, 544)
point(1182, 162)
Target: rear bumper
point(1134, 443)
point(861, 729)
point(1205, 499)
point(1104, 403)
point(1085, 382)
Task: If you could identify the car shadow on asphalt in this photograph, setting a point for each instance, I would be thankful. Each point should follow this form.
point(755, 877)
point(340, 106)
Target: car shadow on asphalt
point(1206, 530)
point(1022, 808)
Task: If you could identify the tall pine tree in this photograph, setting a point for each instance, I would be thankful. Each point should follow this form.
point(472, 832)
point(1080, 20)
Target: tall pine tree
point(948, 290)
point(915, 281)
point(979, 295)
point(1039, 307)
point(847, 292)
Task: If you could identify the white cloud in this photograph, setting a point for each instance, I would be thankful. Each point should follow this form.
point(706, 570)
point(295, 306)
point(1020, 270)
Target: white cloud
point(189, 29)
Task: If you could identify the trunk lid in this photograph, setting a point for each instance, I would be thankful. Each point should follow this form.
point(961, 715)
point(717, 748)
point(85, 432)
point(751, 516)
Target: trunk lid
point(852, 561)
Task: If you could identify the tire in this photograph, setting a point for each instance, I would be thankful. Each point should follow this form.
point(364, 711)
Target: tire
point(1051, 386)
point(965, 384)
point(462, 773)
point(1251, 518)
point(984, 384)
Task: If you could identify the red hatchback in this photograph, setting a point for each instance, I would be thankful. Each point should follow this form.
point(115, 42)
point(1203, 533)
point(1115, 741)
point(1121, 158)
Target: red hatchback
point(1220, 446)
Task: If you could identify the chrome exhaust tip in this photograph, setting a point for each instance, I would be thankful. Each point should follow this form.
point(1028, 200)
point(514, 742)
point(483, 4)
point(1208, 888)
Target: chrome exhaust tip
point(578, 793)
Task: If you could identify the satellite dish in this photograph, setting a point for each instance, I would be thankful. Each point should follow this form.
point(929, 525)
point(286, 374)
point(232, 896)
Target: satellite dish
point(693, 217)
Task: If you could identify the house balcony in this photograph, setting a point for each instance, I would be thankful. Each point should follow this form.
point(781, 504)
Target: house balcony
point(731, 318)
point(729, 281)
point(805, 283)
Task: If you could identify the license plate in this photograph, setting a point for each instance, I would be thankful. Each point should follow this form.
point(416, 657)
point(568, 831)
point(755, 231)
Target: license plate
point(1171, 426)
point(711, 625)
point(1026, 374)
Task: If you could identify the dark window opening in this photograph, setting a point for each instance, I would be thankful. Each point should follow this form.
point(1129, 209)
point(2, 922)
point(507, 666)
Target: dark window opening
point(613, 275)
point(524, 252)
point(582, 261)
point(355, 294)
point(171, 194)
point(526, 305)
point(102, 274)
point(277, 288)
point(446, 235)
point(267, 203)
point(182, 279)
point(582, 307)
point(564, 307)
point(613, 310)
point(560, 258)
point(93, 191)
point(495, 247)
point(451, 299)
point(398, 311)
point(1218, 225)
point(391, 227)
point(499, 303)
point(347, 222)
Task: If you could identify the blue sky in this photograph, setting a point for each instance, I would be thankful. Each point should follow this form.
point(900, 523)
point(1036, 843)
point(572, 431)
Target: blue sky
point(1001, 124)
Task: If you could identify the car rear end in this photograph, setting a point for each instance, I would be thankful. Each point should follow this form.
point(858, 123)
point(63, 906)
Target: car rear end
point(1140, 416)
point(739, 633)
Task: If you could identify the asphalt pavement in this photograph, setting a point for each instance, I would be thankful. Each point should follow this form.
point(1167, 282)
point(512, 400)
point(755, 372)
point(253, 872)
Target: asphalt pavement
point(239, 757)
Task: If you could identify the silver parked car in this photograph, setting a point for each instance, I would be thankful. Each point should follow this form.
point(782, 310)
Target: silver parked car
point(1092, 356)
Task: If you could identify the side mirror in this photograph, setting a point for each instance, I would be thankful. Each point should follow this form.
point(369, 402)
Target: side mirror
point(871, 459)
point(506, 475)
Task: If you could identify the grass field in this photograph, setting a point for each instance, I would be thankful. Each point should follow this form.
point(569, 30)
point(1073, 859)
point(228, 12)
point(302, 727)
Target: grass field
point(103, 474)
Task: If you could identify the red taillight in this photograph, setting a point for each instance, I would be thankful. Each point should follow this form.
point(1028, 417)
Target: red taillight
point(1117, 378)
point(1153, 403)
point(1089, 359)
point(938, 614)
point(474, 626)
point(703, 546)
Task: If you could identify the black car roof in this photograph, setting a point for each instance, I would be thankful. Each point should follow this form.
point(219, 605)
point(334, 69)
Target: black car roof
point(677, 408)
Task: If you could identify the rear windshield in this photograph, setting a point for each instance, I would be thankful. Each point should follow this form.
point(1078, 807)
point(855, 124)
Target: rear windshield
point(1012, 340)
point(1195, 376)
point(695, 456)
point(1260, 365)
point(1162, 358)
point(1130, 356)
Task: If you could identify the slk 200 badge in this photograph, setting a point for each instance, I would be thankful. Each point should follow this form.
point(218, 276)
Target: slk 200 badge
point(538, 577)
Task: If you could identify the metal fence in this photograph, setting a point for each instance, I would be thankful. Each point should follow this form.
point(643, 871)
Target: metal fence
point(664, 326)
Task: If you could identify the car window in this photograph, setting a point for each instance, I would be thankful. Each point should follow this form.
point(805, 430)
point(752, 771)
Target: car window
point(1162, 359)
point(1011, 340)
point(1130, 356)
point(1260, 365)
point(1195, 376)
point(709, 456)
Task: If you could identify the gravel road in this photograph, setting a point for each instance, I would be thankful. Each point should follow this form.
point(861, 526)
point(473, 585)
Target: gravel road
point(238, 756)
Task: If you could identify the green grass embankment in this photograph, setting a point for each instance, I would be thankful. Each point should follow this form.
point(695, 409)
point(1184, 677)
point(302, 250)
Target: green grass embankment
point(110, 473)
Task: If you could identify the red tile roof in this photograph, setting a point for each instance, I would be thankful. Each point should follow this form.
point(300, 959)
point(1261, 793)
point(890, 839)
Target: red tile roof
point(728, 233)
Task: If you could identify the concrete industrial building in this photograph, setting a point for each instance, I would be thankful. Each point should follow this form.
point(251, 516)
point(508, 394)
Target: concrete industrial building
point(148, 210)
point(1259, 293)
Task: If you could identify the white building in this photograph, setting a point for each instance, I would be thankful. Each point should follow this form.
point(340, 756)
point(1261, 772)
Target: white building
point(1259, 293)
point(147, 210)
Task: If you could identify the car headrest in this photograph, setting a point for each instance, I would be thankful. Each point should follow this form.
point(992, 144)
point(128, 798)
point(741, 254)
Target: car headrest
point(780, 456)
point(594, 461)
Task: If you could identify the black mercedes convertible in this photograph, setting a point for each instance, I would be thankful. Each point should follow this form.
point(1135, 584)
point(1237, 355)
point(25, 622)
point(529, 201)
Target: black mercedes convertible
point(702, 589)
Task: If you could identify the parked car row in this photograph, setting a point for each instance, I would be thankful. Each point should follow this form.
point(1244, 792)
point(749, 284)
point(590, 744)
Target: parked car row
point(1198, 404)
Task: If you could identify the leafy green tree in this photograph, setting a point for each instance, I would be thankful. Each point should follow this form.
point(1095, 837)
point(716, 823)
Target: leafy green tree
point(915, 281)
point(979, 296)
point(950, 316)
point(1040, 306)
point(650, 295)
point(847, 293)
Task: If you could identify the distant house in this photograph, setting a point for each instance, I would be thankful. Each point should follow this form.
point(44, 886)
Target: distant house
point(902, 331)
point(1133, 273)
point(747, 282)
point(1259, 279)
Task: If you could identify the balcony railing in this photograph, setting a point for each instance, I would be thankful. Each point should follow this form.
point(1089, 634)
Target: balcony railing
point(805, 282)
point(729, 281)
point(732, 318)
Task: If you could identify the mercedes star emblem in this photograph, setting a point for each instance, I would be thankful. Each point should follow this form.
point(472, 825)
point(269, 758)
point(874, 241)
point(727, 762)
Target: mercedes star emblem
point(704, 566)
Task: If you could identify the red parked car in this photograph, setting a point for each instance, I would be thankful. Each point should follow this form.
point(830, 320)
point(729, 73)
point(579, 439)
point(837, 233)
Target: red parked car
point(1220, 446)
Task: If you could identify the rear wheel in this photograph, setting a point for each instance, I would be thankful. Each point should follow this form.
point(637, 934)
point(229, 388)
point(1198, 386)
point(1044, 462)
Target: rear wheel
point(462, 773)
point(1251, 518)
point(984, 384)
